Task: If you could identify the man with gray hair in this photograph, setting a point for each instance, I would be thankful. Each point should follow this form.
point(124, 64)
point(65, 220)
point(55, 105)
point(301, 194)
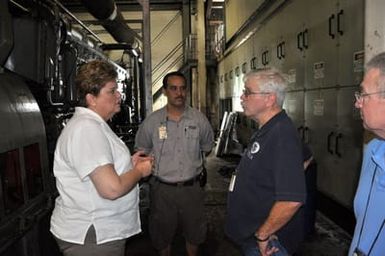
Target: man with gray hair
point(369, 207)
point(268, 187)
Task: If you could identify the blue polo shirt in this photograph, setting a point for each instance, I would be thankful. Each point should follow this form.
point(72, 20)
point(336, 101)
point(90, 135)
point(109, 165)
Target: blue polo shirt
point(270, 170)
point(369, 202)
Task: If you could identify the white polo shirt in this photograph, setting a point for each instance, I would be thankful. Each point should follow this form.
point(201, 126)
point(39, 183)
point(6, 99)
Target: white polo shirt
point(84, 144)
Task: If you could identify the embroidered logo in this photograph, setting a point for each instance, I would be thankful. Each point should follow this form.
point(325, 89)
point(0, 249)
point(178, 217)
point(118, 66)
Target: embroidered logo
point(255, 147)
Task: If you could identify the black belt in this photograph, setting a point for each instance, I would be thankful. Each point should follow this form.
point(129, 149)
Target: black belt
point(185, 183)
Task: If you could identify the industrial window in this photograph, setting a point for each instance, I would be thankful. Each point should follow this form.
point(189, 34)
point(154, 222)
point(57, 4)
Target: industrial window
point(231, 74)
point(11, 181)
point(221, 78)
point(33, 170)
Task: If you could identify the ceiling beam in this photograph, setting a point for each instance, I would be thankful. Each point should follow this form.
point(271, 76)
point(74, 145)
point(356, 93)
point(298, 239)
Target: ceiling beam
point(99, 22)
point(75, 6)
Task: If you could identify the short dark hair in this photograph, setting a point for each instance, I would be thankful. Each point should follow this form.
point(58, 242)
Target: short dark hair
point(175, 73)
point(92, 77)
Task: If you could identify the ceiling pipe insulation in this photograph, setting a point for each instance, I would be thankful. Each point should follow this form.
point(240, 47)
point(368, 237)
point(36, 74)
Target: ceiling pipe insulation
point(113, 21)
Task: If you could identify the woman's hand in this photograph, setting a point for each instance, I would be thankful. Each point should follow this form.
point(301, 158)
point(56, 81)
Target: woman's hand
point(143, 163)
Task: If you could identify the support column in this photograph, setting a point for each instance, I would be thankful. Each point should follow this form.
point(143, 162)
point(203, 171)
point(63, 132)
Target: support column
point(201, 70)
point(147, 55)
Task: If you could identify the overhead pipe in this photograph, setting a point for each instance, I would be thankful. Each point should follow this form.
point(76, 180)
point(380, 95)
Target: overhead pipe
point(77, 20)
point(113, 21)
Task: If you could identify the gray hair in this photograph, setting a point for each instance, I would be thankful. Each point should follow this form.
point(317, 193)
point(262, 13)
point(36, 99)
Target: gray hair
point(378, 62)
point(271, 80)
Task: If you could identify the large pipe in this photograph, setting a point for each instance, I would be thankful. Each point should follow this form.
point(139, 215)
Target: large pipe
point(113, 21)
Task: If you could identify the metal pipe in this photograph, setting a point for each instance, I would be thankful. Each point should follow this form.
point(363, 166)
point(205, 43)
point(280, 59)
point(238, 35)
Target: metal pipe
point(78, 21)
point(113, 21)
point(147, 55)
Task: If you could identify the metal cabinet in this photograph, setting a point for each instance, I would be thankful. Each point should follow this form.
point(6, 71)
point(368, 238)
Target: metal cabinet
point(320, 119)
point(322, 58)
point(263, 39)
point(335, 36)
point(350, 41)
point(347, 148)
point(291, 43)
point(335, 136)
point(293, 105)
point(325, 55)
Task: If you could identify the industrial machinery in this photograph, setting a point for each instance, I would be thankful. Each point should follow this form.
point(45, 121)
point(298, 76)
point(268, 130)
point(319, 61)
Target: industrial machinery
point(41, 47)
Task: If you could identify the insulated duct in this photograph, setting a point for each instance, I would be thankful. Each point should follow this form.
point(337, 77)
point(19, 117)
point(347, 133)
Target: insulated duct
point(113, 21)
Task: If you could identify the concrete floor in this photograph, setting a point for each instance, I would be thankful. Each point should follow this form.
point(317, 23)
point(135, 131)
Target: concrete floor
point(329, 239)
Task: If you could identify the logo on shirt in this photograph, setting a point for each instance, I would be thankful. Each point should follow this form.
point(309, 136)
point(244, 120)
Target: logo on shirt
point(255, 147)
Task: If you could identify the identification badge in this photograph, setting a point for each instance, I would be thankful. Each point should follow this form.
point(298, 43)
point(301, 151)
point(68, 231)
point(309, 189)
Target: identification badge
point(232, 182)
point(162, 132)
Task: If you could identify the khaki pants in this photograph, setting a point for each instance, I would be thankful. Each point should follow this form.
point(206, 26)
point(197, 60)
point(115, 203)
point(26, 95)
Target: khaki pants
point(90, 248)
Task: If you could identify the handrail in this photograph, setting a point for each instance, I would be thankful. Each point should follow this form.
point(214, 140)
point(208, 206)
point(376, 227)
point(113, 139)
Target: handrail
point(168, 57)
point(165, 28)
point(189, 53)
point(178, 59)
point(156, 95)
point(77, 20)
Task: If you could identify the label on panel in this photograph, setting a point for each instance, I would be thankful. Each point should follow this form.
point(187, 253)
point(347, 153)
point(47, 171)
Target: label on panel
point(358, 61)
point(319, 70)
point(291, 76)
point(291, 106)
point(318, 107)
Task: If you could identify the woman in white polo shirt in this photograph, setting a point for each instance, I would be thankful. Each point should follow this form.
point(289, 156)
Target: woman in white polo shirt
point(98, 205)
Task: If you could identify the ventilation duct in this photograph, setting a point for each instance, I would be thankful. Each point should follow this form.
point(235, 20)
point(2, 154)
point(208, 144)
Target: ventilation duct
point(113, 21)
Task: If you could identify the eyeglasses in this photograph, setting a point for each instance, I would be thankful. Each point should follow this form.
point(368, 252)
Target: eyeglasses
point(247, 92)
point(360, 95)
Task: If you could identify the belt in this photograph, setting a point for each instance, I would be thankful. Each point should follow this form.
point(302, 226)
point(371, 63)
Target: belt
point(185, 183)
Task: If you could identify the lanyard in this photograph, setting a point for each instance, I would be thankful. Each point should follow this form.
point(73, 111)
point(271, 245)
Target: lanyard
point(364, 219)
point(162, 130)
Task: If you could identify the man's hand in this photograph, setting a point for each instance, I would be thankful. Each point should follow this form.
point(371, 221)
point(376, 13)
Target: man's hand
point(265, 248)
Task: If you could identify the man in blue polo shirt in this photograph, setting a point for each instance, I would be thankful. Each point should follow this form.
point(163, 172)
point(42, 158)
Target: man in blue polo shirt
point(369, 202)
point(268, 186)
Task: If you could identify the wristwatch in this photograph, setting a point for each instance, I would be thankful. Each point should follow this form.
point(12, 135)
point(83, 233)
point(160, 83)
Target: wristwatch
point(261, 239)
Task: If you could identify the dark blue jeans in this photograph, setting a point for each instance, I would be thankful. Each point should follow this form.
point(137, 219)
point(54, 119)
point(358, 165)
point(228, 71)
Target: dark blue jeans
point(250, 248)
